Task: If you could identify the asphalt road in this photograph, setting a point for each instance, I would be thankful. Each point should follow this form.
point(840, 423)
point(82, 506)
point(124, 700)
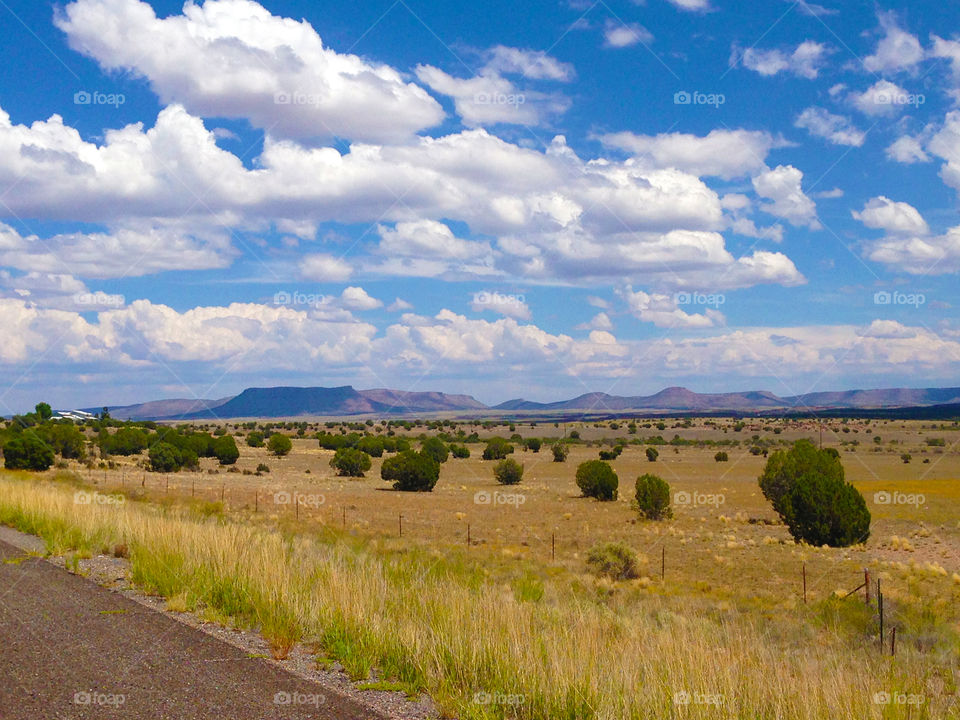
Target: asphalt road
point(72, 650)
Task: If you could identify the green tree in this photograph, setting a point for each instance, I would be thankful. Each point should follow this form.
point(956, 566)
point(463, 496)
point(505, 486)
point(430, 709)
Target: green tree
point(435, 448)
point(350, 462)
point(225, 450)
point(44, 411)
point(807, 488)
point(597, 479)
point(721, 457)
point(371, 445)
point(411, 471)
point(460, 451)
point(164, 457)
point(652, 454)
point(27, 451)
point(653, 497)
point(255, 439)
point(279, 444)
point(533, 444)
point(65, 438)
point(508, 472)
point(560, 451)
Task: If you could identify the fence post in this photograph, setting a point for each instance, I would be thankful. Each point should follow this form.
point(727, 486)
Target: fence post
point(880, 606)
point(866, 584)
point(663, 562)
point(553, 546)
point(804, 583)
point(893, 641)
point(400, 524)
point(256, 500)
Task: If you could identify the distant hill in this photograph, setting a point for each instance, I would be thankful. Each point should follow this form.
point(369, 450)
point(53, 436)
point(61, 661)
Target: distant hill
point(277, 402)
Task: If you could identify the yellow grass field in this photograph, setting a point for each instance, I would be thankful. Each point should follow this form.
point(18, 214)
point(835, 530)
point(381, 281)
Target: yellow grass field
point(480, 594)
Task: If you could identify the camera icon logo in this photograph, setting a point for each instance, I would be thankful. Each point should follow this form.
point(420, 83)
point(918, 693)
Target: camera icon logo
point(681, 498)
point(281, 497)
point(483, 497)
point(681, 98)
point(882, 298)
point(882, 498)
point(82, 98)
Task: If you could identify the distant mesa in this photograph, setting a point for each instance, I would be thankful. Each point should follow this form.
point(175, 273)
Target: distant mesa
point(287, 402)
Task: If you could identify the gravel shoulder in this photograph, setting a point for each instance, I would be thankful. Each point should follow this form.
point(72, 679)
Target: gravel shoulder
point(91, 646)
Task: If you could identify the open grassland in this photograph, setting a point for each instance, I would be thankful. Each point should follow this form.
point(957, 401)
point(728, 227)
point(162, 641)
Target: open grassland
point(511, 624)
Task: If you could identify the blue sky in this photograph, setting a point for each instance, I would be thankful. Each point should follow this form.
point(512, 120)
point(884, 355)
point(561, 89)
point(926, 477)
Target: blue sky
point(503, 199)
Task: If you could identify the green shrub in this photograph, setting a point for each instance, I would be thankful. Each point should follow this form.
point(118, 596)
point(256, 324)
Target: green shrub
point(497, 449)
point(435, 448)
point(597, 479)
point(371, 445)
point(350, 462)
point(262, 468)
point(652, 454)
point(807, 488)
point(255, 439)
point(560, 452)
point(27, 452)
point(533, 444)
point(164, 457)
point(653, 497)
point(411, 471)
point(721, 457)
point(279, 444)
point(225, 450)
point(508, 472)
point(460, 451)
point(614, 560)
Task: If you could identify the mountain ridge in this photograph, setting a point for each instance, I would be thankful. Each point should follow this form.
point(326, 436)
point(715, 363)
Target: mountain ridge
point(291, 401)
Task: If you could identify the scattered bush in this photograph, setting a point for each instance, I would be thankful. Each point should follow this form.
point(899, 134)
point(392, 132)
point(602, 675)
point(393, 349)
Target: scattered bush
point(255, 439)
point(613, 560)
point(597, 479)
point(371, 445)
point(653, 497)
point(508, 472)
point(411, 471)
point(906, 457)
point(721, 457)
point(652, 454)
point(533, 444)
point(262, 468)
point(560, 452)
point(350, 462)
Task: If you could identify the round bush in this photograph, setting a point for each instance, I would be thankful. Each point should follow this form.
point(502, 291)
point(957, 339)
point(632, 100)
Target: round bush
point(508, 472)
point(255, 439)
point(653, 497)
point(350, 462)
point(497, 449)
point(614, 560)
point(27, 452)
point(460, 451)
point(279, 444)
point(721, 457)
point(652, 454)
point(435, 448)
point(597, 479)
point(411, 471)
point(225, 450)
point(164, 457)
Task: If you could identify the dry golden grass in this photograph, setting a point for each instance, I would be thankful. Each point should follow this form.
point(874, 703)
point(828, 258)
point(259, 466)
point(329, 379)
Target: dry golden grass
point(502, 619)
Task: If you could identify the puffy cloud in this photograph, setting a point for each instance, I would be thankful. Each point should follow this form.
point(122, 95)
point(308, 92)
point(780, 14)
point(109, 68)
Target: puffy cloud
point(945, 144)
point(232, 58)
point(600, 321)
point(399, 305)
point(896, 218)
point(356, 298)
point(663, 311)
point(888, 330)
point(884, 98)
point(805, 60)
point(836, 128)
point(325, 268)
point(619, 34)
point(723, 153)
point(554, 214)
point(897, 49)
point(782, 186)
point(141, 249)
point(907, 149)
point(908, 245)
